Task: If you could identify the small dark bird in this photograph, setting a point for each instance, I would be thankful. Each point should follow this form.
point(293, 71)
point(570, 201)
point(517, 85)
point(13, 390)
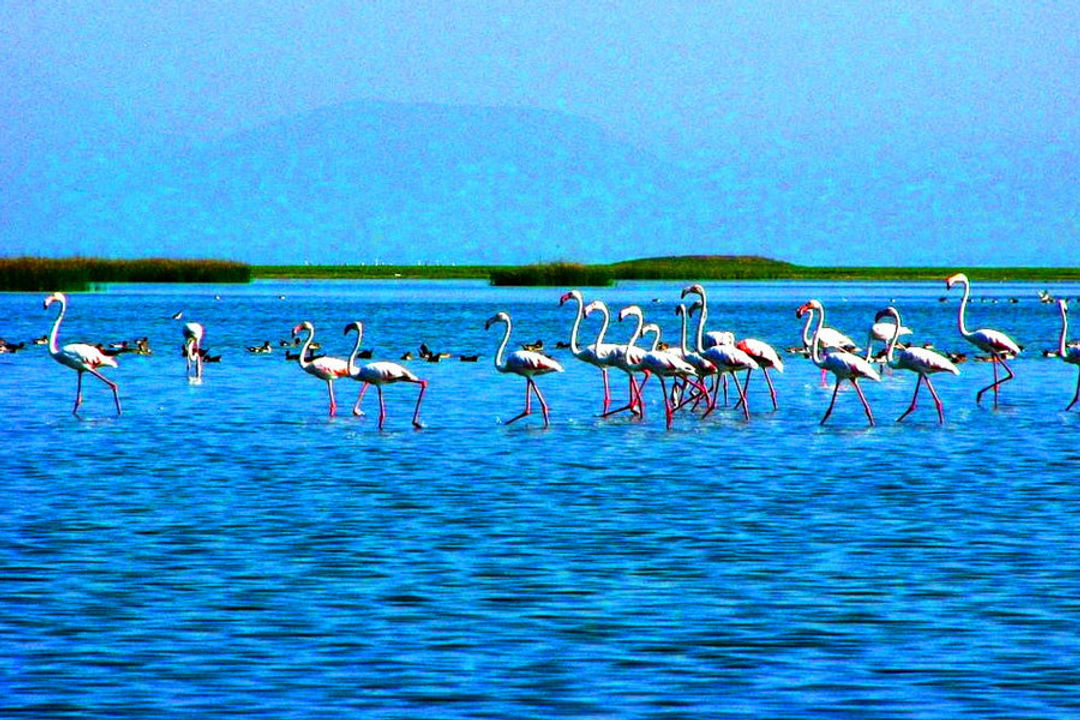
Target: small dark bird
point(468, 358)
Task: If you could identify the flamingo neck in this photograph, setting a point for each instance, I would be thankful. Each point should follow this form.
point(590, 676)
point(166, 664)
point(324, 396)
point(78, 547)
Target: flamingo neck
point(54, 334)
point(637, 330)
point(894, 339)
point(806, 329)
point(304, 348)
point(815, 347)
point(655, 330)
point(682, 339)
point(604, 325)
point(963, 309)
point(499, 364)
point(356, 348)
point(1064, 329)
point(574, 348)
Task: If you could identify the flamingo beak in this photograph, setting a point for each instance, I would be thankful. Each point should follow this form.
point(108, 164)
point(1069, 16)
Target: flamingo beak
point(565, 297)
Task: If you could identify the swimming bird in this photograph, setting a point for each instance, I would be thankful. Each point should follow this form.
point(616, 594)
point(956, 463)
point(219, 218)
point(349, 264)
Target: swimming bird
point(80, 357)
point(842, 364)
point(525, 363)
point(996, 343)
point(918, 360)
point(379, 373)
point(325, 368)
point(1068, 353)
point(261, 349)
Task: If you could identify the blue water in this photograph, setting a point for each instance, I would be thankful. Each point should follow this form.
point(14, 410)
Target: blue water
point(225, 548)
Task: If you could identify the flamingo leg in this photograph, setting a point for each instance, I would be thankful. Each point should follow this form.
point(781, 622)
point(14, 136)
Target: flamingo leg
point(667, 401)
point(914, 398)
point(543, 405)
point(996, 359)
point(528, 402)
point(702, 392)
point(742, 396)
point(607, 389)
point(107, 381)
point(1076, 395)
point(333, 402)
point(866, 405)
point(772, 390)
point(746, 385)
point(937, 400)
point(382, 407)
point(419, 399)
point(359, 399)
point(725, 389)
point(836, 389)
point(78, 394)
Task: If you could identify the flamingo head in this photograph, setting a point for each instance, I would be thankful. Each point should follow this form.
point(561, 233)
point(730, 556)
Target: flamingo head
point(1063, 306)
point(497, 317)
point(680, 309)
point(630, 310)
point(354, 325)
point(886, 312)
point(957, 278)
point(808, 306)
point(571, 295)
point(594, 305)
point(694, 307)
point(55, 297)
point(696, 288)
point(303, 326)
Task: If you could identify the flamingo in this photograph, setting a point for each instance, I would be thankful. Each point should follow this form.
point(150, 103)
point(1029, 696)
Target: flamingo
point(1068, 353)
point(842, 364)
point(379, 373)
point(994, 342)
point(595, 354)
point(324, 368)
point(193, 337)
point(665, 364)
point(721, 350)
point(766, 357)
point(80, 357)
point(702, 366)
point(525, 363)
point(625, 357)
point(919, 360)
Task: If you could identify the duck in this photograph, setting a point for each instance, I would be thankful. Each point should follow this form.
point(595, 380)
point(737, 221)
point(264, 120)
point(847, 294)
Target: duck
point(260, 349)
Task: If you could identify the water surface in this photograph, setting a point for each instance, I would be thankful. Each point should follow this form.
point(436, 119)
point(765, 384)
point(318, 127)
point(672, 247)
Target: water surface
point(226, 547)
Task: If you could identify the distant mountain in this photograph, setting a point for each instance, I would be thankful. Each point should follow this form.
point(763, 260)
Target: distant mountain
point(371, 181)
point(368, 181)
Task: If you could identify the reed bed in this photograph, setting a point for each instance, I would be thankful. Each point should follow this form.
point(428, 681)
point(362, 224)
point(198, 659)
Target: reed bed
point(555, 274)
point(79, 274)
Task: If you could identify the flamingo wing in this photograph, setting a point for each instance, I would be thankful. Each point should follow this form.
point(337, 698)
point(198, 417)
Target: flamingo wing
point(382, 371)
point(328, 368)
point(847, 365)
point(81, 356)
point(923, 360)
point(762, 352)
point(994, 341)
point(729, 358)
point(528, 362)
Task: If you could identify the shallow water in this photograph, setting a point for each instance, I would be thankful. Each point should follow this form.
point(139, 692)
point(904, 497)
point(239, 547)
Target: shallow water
point(226, 547)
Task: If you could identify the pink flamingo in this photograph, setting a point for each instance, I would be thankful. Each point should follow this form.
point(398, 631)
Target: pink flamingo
point(1068, 353)
point(996, 343)
point(842, 364)
point(919, 360)
point(193, 337)
point(525, 363)
point(325, 368)
point(80, 357)
point(379, 373)
point(595, 354)
point(702, 367)
point(721, 351)
point(766, 357)
point(665, 364)
point(626, 357)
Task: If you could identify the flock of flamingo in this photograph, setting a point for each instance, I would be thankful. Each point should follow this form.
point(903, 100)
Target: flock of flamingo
point(697, 374)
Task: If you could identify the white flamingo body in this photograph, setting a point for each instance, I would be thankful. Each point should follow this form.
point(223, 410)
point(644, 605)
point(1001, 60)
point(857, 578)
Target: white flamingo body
point(827, 337)
point(922, 361)
point(842, 364)
point(885, 331)
point(626, 357)
point(996, 343)
point(193, 336)
point(665, 364)
point(379, 373)
point(526, 363)
point(326, 368)
point(723, 354)
point(80, 357)
point(1068, 353)
point(767, 358)
point(596, 354)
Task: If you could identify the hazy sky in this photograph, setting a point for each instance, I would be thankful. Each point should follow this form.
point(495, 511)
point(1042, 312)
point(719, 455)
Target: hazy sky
point(688, 81)
point(674, 77)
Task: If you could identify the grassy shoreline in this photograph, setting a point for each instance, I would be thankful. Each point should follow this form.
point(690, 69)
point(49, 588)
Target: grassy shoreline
point(679, 268)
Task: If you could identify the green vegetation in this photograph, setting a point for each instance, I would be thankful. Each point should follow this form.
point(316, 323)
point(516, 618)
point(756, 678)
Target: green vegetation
point(77, 274)
point(554, 274)
point(704, 267)
point(373, 272)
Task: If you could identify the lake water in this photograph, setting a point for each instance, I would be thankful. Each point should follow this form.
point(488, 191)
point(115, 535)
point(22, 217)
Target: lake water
point(228, 549)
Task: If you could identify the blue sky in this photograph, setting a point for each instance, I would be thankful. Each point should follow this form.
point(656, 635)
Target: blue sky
point(692, 82)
